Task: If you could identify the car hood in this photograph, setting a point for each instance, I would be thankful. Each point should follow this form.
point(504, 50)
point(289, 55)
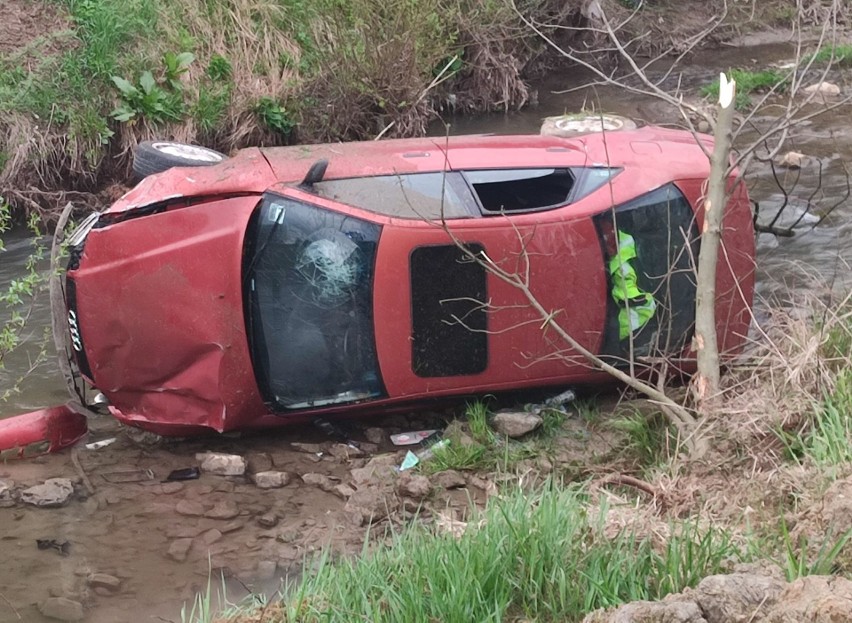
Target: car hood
point(161, 316)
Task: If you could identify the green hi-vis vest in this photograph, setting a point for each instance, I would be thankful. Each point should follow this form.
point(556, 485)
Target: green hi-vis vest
point(637, 307)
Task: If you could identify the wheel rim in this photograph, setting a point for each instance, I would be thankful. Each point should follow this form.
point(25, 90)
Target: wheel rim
point(590, 124)
point(188, 152)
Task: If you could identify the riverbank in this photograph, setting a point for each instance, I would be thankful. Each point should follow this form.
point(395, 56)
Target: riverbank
point(83, 81)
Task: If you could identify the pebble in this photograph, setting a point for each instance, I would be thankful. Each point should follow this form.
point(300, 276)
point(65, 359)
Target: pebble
point(223, 510)
point(179, 549)
point(222, 464)
point(62, 609)
point(52, 493)
point(189, 508)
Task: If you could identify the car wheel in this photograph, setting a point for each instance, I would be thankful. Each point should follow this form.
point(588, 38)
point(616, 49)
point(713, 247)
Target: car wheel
point(567, 126)
point(157, 156)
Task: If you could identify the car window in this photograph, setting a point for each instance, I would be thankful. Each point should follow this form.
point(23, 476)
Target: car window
point(309, 281)
point(430, 196)
point(660, 227)
point(448, 317)
point(521, 190)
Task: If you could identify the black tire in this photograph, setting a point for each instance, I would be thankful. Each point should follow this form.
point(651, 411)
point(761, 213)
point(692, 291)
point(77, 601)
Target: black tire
point(157, 156)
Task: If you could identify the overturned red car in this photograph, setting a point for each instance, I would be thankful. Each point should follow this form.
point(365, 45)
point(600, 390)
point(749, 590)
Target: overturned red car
point(287, 283)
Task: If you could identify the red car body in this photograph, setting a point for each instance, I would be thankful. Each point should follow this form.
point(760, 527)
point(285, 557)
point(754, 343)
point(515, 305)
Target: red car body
point(240, 295)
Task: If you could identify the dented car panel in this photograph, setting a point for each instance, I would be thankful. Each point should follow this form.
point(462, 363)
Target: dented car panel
point(244, 295)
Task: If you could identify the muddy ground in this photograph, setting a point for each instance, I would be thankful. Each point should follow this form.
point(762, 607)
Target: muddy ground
point(158, 542)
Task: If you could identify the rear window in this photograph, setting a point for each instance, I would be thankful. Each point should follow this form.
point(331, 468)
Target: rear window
point(521, 190)
point(429, 196)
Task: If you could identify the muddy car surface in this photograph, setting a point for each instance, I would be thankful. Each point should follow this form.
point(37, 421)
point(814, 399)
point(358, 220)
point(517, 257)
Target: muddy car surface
point(285, 283)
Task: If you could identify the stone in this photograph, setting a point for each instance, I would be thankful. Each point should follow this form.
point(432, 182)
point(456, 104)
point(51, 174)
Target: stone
point(266, 569)
point(449, 479)
point(267, 520)
point(231, 526)
point(211, 536)
point(223, 510)
point(823, 88)
point(171, 487)
point(222, 464)
point(7, 493)
point(310, 448)
point(414, 486)
point(819, 599)
point(319, 480)
point(368, 505)
point(272, 480)
point(343, 491)
point(179, 548)
point(189, 508)
point(62, 609)
point(515, 424)
point(669, 611)
point(344, 452)
point(258, 462)
point(375, 435)
point(104, 581)
point(792, 160)
point(728, 597)
point(379, 470)
point(52, 493)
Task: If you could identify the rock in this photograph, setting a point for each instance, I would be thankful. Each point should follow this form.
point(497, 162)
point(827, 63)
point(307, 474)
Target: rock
point(413, 486)
point(449, 479)
point(677, 610)
point(231, 526)
point(272, 480)
point(171, 487)
point(344, 452)
point(179, 548)
point(379, 470)
point(258, 462)
point(515, 424)
point(104, 581)
point(189, 508)
point(368, 505)
point(7, 493)
point(310, 448)
point(792, 160)
point(343, 491)
point(823, 88)
point(320, 480)
point(222, 464)
point(54, 492)
point(211, 536)
point(728, 597)
point(223, 510)
point(267, 520)
point(62, 609)
point(817, 599)
point(375, 435)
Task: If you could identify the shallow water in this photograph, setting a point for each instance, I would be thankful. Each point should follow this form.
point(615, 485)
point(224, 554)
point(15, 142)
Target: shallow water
point(126, 529)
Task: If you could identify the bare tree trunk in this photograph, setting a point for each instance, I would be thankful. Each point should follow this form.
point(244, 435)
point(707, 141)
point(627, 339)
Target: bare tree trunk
point(706, 382)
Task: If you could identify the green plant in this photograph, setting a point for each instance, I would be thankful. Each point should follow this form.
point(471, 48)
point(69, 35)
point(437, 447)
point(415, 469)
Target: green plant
point(797, 561)
point(838, 55)
point(830, 440)
point(146, 99)
point(219, 69)
point(274, 116)
point(210, 108)
point(477, 421)
point(18, 297)
point(174, 66)
point(535, 555)
point(649, 436)
point(748, 82)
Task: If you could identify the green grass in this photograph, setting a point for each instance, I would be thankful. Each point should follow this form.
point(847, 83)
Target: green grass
point(830, 440)
point(534, 556)
point(748, 82)
point(650, 439)
point(838, 55)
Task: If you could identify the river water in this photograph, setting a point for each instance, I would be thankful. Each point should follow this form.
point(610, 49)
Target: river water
point(811, 260)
